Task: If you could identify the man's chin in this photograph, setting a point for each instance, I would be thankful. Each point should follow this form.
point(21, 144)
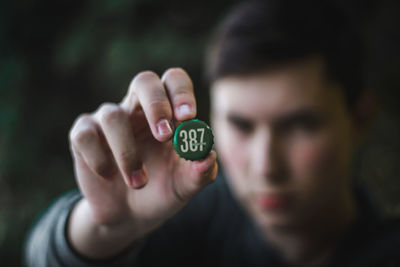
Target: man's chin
point(273, 220)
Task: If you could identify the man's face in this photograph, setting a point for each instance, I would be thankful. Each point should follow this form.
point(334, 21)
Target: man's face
point(285, 139)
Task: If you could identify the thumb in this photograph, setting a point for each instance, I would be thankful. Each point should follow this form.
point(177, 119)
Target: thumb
point(200, 173)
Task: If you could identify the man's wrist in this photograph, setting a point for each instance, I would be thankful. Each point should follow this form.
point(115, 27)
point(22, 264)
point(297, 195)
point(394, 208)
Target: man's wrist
point(94, 240)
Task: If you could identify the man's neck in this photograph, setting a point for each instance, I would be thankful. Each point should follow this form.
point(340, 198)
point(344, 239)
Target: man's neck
point(313, 244)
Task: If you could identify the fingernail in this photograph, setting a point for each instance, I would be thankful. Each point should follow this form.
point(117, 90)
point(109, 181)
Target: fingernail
point(184, 110)
point(164, 128)
point(138, 179)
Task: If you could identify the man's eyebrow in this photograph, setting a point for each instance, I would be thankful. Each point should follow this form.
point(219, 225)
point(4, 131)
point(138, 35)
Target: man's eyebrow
point(300, 114)
point(240, 121)
point(232, 116)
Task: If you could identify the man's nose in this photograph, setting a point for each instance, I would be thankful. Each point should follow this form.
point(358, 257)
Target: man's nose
point(266, 158)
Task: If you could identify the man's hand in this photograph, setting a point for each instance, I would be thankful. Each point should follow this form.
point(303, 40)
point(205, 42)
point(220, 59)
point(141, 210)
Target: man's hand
point(126, 167)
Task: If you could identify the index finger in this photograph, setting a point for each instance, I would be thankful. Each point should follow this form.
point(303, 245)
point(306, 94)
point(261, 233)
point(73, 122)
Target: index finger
point(130, 100)
point(180, 91)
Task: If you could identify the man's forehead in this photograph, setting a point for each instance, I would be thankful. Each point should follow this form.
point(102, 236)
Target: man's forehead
point(262, 95)
point(271, 94)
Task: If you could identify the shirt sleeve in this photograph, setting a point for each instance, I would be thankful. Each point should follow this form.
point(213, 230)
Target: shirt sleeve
point(46, 244)
point(193, 236)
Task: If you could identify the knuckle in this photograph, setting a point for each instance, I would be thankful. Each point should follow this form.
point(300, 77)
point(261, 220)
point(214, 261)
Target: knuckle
point(157, 94)
point(162, 109)
point(79, 121)
point(128, 160)
point(182, 196)
point(84, 135)
point(178, 83)
point(127, 156)
point(105, 107)
point(82, 127)
point(83, 118)
point(110, 113)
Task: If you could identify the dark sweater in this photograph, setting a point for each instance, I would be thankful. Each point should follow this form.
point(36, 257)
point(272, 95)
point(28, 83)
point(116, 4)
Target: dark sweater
point(212, 230)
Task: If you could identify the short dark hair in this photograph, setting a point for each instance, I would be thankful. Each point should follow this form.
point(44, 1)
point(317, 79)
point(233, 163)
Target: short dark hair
point(262, 34)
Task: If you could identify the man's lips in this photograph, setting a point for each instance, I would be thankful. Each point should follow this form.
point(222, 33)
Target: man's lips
point(273, 201)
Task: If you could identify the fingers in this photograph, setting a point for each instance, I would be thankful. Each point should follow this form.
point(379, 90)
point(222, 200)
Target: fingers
point(118, 131)
point(153, 99)
point(180, 90)
point(206, 169)
point(106, 141)
point(201, 173)
point(162, 100)
point(86, 143)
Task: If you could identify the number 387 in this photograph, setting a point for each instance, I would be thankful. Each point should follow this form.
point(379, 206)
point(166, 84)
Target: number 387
point(189, 140)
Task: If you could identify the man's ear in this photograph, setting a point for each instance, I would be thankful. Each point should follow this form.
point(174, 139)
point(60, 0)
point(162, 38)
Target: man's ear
point(364, 112)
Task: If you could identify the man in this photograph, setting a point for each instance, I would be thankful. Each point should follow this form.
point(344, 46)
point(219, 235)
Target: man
point(288, 110)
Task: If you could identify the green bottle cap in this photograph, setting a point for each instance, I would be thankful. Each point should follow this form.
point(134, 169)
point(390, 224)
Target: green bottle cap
point(193, 139)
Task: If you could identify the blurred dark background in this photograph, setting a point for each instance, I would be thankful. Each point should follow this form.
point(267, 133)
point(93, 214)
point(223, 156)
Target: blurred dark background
point(62, 58)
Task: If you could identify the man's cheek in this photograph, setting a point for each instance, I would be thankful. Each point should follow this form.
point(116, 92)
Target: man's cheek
point(308, 159)
point(235, 154)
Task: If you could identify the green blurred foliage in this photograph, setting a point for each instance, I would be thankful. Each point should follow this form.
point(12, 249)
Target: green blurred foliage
point(62, 58)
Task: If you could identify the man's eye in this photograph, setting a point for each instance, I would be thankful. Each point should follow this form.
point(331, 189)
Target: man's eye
point(305, 124)
point(244, 126)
